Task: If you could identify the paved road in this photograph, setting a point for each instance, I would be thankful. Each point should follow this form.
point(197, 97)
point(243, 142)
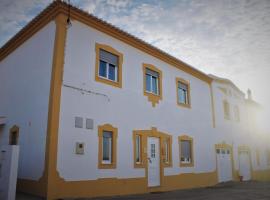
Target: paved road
point(229, 191)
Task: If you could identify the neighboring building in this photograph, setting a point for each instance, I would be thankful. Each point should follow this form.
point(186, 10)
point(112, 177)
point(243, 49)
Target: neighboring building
point(99, 112)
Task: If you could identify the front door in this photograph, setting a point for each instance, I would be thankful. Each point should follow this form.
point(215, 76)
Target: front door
point(224, 164)
point(153, 156)
point(244, 165)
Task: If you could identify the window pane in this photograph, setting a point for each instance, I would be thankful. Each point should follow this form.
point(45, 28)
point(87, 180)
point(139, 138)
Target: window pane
point(108, 57)
point(186, 149)
point(112, 70)
point(138, 148)
point(102, 69)
point(166, 144)
point(148, 83)
point(183, 86)
point(107, 145)
point(154, 85)
point(182, 93)
point(182, 96)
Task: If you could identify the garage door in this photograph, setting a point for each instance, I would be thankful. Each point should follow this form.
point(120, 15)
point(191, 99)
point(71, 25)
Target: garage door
point(224, 164)
point(244, 165)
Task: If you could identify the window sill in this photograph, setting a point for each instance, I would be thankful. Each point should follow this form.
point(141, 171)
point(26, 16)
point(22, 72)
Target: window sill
point(184, 105)
point(108, 81)
point(167, 164)
point(107, 166)
point(186, 164)
point(139, 165)
point(153, 98)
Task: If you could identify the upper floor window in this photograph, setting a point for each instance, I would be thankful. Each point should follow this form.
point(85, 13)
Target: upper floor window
point(236, 113)
point(152, 83)
point(186, 151)
point(183, 92)
point(108, 65)
point(226, 108)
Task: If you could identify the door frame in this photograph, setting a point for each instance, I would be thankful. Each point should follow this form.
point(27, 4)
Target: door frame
point(247, 149)
point(224, 145)
point(153, 132)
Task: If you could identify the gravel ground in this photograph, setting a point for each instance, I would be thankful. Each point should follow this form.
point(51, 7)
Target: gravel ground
point(228, 191)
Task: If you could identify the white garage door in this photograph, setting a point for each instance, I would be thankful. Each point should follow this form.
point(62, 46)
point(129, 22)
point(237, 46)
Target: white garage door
point(244, 165)
point(224, 164)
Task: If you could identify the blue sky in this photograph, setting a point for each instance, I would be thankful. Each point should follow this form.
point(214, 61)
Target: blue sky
point(228, 38)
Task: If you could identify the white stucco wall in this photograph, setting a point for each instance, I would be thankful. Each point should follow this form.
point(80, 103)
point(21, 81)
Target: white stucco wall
point(127, 109)
point(238, 133)
point(25, 77)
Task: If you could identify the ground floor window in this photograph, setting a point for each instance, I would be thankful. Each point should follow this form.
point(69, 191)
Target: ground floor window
point(167, 151)
point(107, 146)
point(186, 151)
point(138, 149)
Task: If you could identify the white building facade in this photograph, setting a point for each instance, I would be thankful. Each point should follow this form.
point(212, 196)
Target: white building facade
point(99, 112)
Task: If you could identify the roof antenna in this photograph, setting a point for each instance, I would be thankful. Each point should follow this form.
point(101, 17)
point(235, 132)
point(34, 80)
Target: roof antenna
point(68, 19)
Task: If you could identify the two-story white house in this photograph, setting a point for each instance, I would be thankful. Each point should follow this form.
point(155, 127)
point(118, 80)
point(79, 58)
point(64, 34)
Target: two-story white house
point(97, 111)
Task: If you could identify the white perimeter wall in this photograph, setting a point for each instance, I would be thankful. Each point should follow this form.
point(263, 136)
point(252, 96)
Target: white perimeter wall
point(127, 109)
point(24, 96)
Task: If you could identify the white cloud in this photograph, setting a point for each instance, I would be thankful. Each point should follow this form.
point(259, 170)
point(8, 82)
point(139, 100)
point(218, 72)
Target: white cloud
point(14, 14)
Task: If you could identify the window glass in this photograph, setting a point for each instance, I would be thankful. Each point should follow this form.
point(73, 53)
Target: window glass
point(153, 150)
point(154, 85)
point(166, 145)
point(185, 151)
point(102, 69)
point(152, 81)
point(226, 106)
point(148, 82)
point(138, 148)
point(13, 138)
point(112, 72)
point(107, 146)
point(182, 93)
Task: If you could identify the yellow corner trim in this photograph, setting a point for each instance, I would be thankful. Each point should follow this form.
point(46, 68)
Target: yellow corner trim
point(110, 49)
point(153, 98)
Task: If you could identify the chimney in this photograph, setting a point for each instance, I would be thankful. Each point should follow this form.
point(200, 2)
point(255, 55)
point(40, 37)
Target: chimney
point(249, 94)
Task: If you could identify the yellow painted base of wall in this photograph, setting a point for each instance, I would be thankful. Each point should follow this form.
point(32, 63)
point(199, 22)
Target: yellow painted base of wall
point(114, 186)
point(262, 175)
point(37, 188)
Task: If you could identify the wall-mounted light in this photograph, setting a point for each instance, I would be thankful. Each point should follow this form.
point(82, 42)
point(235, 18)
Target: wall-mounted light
point(69, 24)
